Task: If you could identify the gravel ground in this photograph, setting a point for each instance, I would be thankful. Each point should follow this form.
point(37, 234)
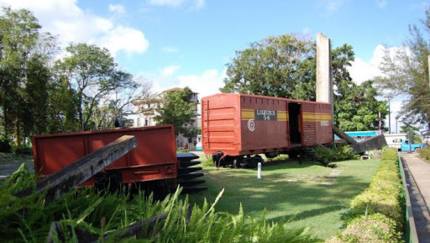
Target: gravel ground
point(9, 163)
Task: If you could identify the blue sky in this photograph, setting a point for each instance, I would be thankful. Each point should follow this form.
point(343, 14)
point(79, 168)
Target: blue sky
point(188, 42)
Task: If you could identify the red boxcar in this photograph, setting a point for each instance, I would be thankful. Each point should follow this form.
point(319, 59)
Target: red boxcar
point(235, 125)
point(153, 159)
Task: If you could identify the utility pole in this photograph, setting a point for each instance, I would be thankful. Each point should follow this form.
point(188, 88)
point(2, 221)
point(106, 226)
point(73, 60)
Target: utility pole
point(389, 116)
point(397, 130)
point(428, 65)
point(389, 112)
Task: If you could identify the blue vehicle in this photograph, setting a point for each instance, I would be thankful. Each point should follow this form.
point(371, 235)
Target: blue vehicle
point(408, 147)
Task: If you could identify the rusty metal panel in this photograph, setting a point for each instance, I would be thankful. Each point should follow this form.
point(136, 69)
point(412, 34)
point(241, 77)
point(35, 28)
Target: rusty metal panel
point(324, 128)
point(317, 121)
point(81, 170)
point(220, 127)
point(244, 124)
point(309, 118)
point(156, 147)
point(52, 155)
point(239, 124)
point(263, 123)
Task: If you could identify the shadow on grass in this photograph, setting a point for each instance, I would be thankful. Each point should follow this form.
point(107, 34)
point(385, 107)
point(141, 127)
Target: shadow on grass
point(306, 198)
point(275, 165)
point(308, 213)
point(290, 163)
point(257, 195)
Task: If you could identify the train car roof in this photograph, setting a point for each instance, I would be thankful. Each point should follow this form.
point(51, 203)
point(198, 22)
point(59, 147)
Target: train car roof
point(266, 97)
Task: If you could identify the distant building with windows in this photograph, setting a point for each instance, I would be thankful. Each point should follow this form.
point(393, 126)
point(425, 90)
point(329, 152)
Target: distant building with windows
point(146, 112)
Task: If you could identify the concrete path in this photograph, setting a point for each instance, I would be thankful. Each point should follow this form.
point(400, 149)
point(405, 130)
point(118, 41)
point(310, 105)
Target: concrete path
point(417, 174)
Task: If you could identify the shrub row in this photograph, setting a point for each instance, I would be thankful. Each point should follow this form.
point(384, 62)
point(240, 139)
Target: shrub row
point(375, 215)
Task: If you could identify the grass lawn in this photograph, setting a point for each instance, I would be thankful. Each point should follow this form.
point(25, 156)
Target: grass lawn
point(291, 191)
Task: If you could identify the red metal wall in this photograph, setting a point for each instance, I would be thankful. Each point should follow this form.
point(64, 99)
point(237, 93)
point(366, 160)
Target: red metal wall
point(238, 124)
point(154, 157)
point(263, 124)
point(317, 123)
point(221, 123)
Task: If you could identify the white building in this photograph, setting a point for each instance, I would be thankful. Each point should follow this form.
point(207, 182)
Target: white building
point(146, 111)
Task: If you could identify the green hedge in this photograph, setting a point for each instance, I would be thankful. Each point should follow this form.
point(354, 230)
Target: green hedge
point(373, 228)
point(389, 154)
point(375, 215)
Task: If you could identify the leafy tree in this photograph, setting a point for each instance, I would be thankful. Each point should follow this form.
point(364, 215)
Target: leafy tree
point(23, 73)
point(19, 33)
point(35, 103)
point(285, 66)
point(94, 75)
point(177, 109)
point(62, 107)
point(355, 106)
point(282, 66)
point(412, 133)
point(406, 72)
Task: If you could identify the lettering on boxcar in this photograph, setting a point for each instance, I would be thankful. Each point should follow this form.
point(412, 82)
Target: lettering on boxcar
point(325, 123)
point(251, 125)
point(266, 115)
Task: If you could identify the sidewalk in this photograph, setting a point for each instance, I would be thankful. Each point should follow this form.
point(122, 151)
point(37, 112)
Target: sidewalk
point(417, 174)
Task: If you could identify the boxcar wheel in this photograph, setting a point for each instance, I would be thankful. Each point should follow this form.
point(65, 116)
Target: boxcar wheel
point(252, 162)
point(258, 159)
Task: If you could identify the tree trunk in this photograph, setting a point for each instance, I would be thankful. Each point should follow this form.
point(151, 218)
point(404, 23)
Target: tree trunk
point(18, 133)
point(5, 118)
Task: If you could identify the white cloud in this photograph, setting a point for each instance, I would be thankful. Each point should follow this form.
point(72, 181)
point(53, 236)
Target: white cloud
point(124, 38)
point(168, 71)
point(177, 3)
point(361, 70)
point(72, 24)
point(208, 83)
point(117, 8)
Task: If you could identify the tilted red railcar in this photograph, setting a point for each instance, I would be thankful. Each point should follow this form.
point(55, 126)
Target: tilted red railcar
point(150, 165)
point(236, 126)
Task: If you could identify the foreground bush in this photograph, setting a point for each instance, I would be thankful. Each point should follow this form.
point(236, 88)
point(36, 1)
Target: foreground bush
point(375, 215)
point(374, 228)
point(29, 219)
point(336, 152)
point(425, 153)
